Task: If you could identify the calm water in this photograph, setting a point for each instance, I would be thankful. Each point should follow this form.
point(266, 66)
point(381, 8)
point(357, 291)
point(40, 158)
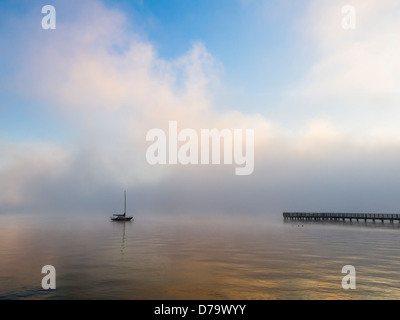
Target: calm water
point(196, 259)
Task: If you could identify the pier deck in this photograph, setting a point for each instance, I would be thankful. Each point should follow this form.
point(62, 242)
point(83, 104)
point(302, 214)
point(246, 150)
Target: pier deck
point(342, 216)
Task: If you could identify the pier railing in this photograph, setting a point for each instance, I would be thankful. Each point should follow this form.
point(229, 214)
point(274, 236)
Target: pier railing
point(341, 216)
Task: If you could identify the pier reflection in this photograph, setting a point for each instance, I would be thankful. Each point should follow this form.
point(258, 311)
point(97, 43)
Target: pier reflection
point(346, 223)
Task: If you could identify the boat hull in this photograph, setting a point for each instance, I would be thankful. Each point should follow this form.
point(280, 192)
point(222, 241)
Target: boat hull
point(121, 218)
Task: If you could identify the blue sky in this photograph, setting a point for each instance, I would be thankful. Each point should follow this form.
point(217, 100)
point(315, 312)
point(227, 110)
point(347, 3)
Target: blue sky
point(256, 43)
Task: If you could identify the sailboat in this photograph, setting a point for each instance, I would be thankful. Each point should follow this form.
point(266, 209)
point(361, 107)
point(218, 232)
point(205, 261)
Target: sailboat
point(121, 217)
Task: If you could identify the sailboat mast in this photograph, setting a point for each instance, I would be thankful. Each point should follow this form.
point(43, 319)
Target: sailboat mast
point(125, 205)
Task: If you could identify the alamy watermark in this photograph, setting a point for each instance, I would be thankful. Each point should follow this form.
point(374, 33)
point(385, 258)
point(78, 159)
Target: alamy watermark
point(49, 20)
point(49, 280)
point(349, 280)
point(166, 149)
point(349, 20)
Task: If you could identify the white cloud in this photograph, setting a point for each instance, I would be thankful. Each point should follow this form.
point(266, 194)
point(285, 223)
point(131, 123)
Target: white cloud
point(112, 97)
point(360, 62)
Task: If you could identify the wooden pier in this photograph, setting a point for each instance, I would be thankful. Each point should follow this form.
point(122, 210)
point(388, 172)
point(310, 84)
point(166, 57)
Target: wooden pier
point(316, 216)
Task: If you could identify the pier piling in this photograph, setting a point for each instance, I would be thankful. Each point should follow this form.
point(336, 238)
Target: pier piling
point(391, 217)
